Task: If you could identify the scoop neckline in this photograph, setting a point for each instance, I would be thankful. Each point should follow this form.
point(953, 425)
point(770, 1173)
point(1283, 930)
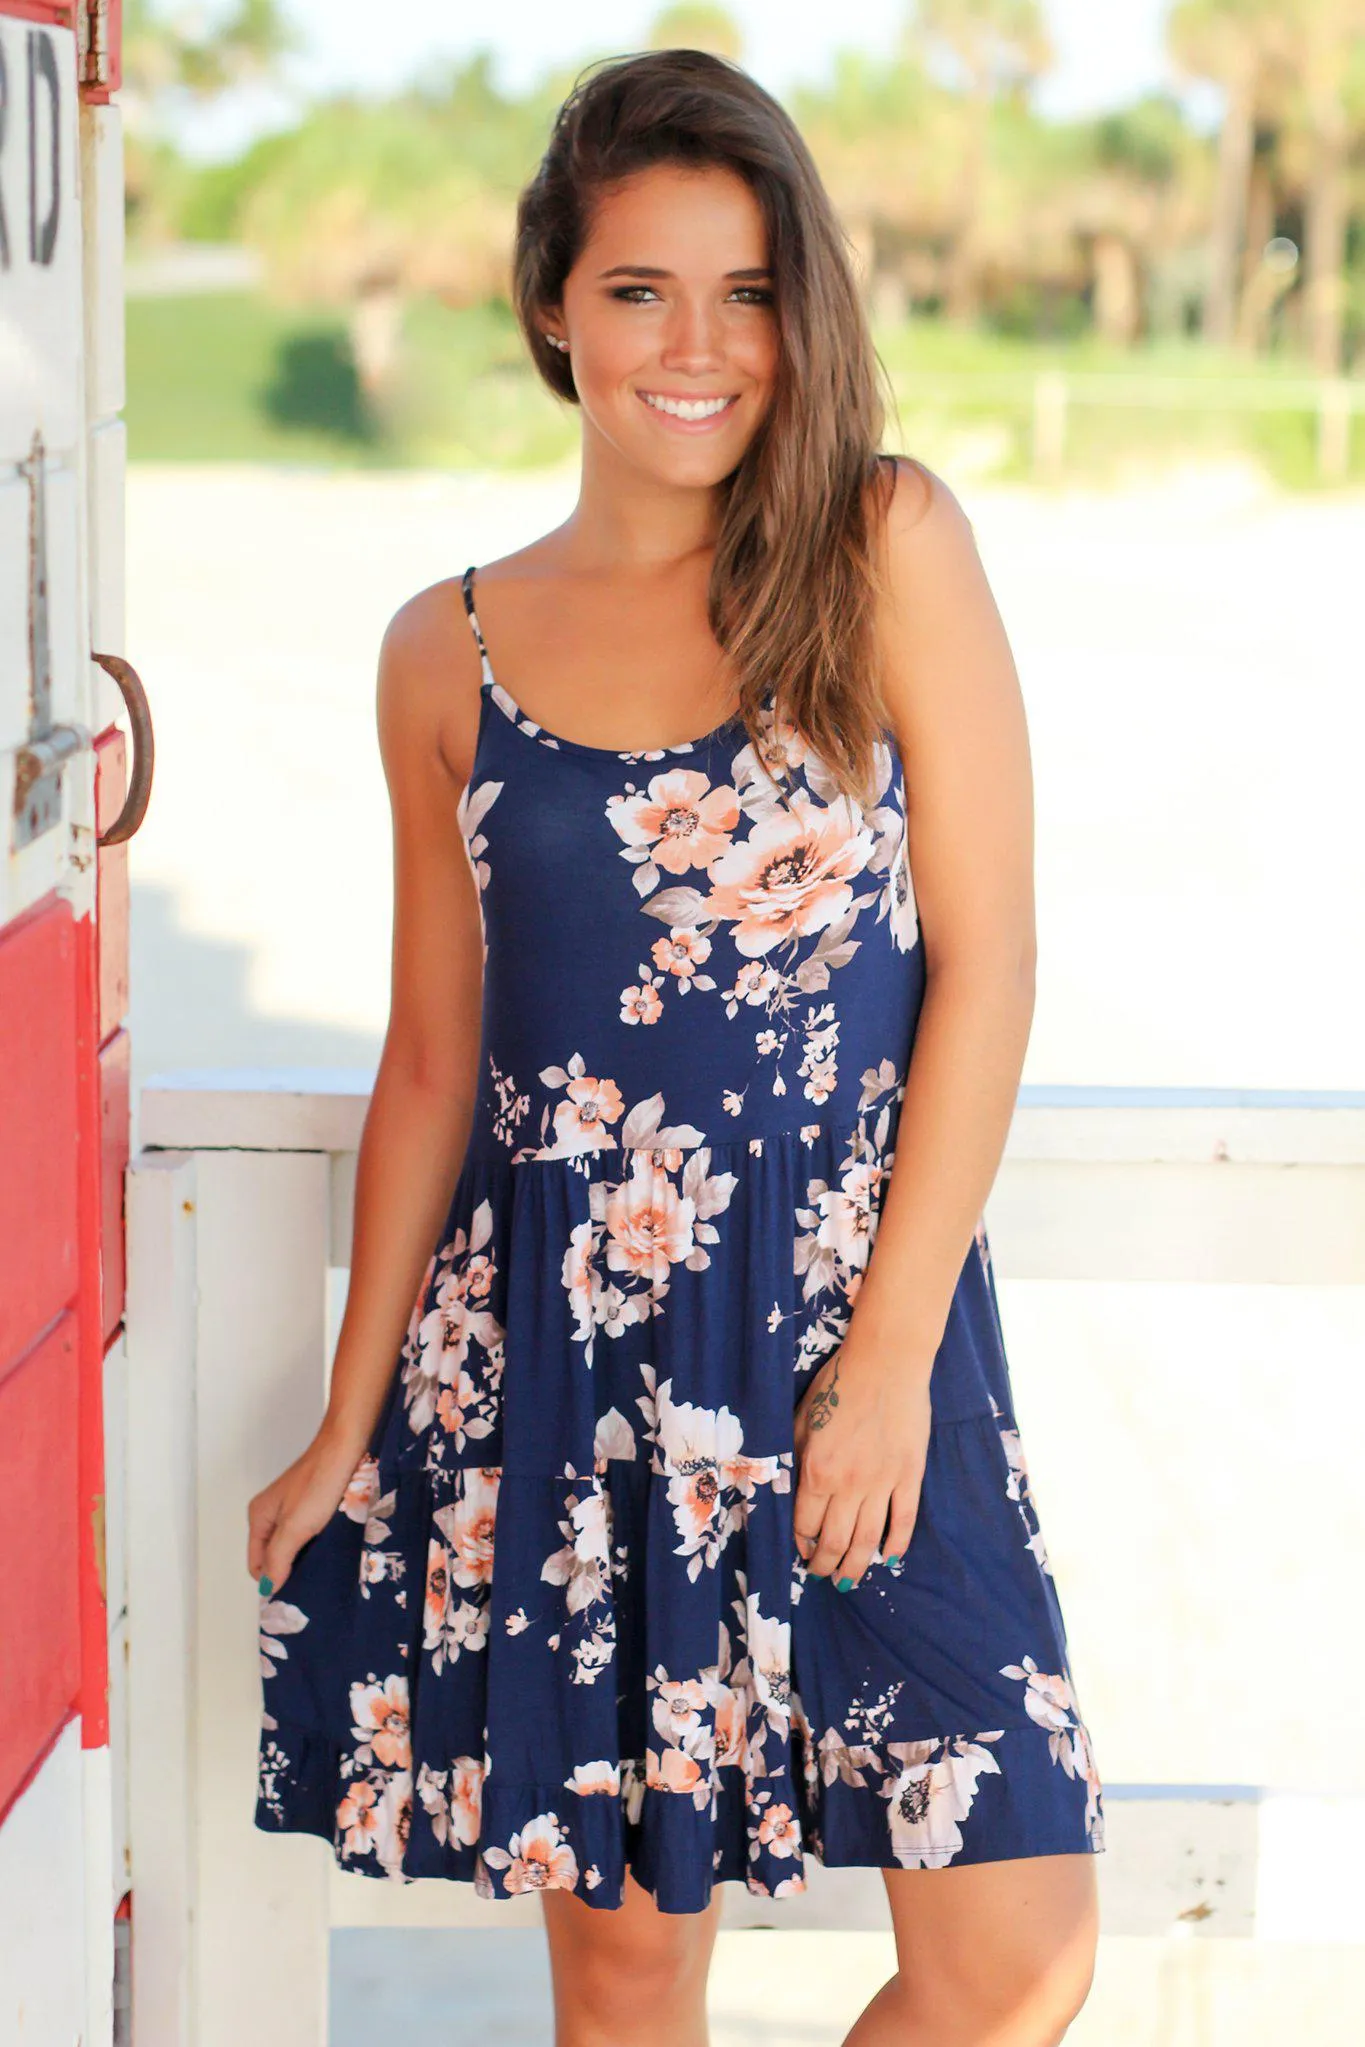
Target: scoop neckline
point(531, 728)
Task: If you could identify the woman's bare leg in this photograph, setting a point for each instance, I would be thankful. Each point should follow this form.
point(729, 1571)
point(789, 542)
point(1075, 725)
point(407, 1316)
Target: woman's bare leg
point(990, 1954)
point(635, 1977)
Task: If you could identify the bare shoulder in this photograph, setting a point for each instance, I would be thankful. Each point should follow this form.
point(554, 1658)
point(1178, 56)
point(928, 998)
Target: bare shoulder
point(946, 660)
point(919, 528)
point(428, 682)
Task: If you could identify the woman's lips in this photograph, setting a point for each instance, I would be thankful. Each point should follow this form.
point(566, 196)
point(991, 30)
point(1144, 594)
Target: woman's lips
point(689, 426)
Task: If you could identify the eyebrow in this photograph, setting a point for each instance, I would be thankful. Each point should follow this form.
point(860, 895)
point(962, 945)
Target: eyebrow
point(644, 270)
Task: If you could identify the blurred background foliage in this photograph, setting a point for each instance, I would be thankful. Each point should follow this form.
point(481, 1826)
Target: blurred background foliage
point(368, 319)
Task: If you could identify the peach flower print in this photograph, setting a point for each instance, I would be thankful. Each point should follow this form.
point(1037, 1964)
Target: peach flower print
point(681, 953)
point(363, 1489)
point(778, 1831)
point(537, 1859)
point(395, 1821)
point(455, 1814)
point(679, 1704)
point(791, 876)
point(641, 1005)
point(674, 1770)
point(467, 1525)
point(681, 822)
point(379, 1713)
point(649, 1224)
point(581, 1121)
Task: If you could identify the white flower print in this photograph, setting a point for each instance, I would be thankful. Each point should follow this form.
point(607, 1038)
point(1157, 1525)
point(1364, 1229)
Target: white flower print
point(710, 1479)
point(277, 1618)
point(594, 1779)
point(454, 1341)
point(931, 1796)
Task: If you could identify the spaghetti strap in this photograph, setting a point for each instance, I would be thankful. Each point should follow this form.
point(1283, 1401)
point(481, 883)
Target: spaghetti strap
point(467, 587)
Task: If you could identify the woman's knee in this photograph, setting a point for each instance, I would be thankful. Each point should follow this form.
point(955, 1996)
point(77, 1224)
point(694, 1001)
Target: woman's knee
point(615, 1966)
point(1010, 1960)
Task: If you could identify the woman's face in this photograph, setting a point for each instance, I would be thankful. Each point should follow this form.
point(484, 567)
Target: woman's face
point(670, 305)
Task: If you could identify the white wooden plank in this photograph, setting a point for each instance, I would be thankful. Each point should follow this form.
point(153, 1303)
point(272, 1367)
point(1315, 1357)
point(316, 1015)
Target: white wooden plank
point(260, 1378)
point(297, 1108)
point(102, 206)
point(108, 628)
point(97, 1793)
point(40, 335)
point(42, 1927)
point(162, 1590)
point(267, 1109)
point(1275, 1225)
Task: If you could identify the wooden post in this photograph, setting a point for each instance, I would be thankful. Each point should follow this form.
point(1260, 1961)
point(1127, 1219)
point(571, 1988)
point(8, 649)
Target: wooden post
point(1334, 429)
point(260, 1384)
point(162, 1592)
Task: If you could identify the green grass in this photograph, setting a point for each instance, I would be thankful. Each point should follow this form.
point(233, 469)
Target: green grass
point(235, 377)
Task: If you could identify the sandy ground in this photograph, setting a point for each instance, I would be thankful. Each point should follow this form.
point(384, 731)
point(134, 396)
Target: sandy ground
point(1190, 658)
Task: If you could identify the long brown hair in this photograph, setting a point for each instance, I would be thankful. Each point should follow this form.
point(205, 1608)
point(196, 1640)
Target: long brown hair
point(793, 580)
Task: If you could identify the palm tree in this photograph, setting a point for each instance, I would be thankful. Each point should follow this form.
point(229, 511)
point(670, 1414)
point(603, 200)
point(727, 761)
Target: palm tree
point(1236, 44)
point(1330, 65)
point(993, 46)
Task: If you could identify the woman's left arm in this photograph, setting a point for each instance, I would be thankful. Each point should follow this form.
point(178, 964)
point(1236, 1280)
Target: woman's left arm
point(953, 698)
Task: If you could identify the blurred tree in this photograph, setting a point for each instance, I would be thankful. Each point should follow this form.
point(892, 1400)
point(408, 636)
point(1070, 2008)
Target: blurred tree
point(182, 52)
point(373, 205)
point(1136, 202)
point(992, 47)
point(168, 57)
point(1239, 45)
point(691, 25)
point(1329, 62)
point(884, 137)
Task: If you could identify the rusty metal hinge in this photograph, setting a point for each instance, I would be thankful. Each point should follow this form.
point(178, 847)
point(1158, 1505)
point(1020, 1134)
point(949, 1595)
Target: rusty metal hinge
point(92, 28)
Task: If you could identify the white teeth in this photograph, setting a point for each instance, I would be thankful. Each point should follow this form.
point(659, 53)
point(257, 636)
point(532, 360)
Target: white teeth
point(686, 408)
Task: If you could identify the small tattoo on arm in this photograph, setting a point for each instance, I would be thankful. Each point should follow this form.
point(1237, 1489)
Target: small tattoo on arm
point(824, 1402)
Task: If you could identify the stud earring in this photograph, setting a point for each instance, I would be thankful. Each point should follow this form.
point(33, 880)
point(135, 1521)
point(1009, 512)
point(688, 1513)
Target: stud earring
point(555, 342)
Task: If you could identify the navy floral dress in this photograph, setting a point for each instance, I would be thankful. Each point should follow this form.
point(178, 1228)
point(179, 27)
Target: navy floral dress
point(558, 1624)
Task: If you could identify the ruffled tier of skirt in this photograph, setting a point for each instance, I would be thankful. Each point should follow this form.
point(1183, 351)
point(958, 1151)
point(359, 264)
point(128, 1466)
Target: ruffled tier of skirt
point(558, 1627)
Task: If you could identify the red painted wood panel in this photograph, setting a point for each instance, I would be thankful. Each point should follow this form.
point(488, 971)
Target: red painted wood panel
point(114, 1127)
point(111, 881)
point(57, 13)
point(40, 1630)
point(39, 1232)
point(100, 1136)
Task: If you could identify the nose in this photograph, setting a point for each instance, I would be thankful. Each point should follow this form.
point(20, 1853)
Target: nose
point(694, 339)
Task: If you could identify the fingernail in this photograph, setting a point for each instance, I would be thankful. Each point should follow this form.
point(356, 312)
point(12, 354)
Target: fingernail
point(893, 1560)
point(266, 1586)
point(843, 1584)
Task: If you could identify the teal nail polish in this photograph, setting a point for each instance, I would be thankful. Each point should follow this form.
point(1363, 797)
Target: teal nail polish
point(893, 1560)
point(843, 1584)
point(266, 1586)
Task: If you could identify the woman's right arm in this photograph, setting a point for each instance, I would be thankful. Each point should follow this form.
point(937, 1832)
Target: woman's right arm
point(417, 1124)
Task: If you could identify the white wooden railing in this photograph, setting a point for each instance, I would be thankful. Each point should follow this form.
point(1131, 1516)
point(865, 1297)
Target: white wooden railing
point(239, 1222)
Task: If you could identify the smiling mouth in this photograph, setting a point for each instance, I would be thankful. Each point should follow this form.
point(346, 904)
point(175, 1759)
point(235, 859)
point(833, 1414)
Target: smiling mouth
point(689, 409)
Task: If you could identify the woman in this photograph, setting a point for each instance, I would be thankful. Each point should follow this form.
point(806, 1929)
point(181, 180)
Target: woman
point(657, 1532)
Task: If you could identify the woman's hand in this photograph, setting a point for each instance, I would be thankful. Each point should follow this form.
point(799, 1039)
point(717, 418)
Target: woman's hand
point(283, 1515)
point(862, 1435)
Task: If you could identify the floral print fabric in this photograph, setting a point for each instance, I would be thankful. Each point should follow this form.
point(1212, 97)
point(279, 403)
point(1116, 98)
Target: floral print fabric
point(558, 1626)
